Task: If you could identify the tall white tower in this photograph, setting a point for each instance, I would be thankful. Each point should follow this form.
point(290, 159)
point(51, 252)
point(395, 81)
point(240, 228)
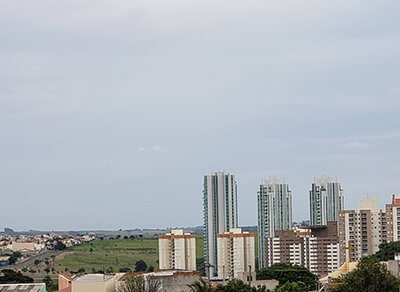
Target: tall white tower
point(274, 213)
point(220, 212)
point(326, 200)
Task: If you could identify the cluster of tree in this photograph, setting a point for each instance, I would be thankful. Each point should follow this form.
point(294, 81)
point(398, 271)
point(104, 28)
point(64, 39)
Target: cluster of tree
point(131, 237)
point(59, 245)
point(12, 277)
point(141, 266)
point(387, 251)
point(140, 284)
point(370, 275)
point(14, 257)
point(290, 277)
point(50, 284)
point(234, 285)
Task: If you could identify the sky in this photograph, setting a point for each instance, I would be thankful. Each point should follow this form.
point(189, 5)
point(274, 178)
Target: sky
point(111, 112)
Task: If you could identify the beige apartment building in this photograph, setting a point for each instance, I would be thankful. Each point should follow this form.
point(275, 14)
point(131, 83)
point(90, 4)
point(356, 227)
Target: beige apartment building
point(236, 255)
point(316, 248)
point(177, 251)
point(361, 231)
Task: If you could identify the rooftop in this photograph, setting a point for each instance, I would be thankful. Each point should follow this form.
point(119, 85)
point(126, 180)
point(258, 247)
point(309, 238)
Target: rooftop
point(22, 287)
point(93, 278)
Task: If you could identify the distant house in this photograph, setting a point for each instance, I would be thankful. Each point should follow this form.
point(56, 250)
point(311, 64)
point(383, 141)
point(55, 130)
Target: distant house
point(35, 287)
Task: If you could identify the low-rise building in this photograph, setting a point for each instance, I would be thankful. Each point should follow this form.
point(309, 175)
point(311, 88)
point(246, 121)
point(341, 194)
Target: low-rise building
point(87, 283)
point(316, 248)
point(177, 251)
point(236, 255)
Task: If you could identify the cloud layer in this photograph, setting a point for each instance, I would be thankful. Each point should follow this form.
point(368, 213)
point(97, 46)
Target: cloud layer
point(116, 109)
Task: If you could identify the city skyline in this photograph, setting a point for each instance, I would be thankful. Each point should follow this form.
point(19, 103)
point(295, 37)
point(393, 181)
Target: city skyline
point(111, 112)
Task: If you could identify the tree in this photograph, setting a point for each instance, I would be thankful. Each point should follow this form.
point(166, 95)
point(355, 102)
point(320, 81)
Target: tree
point(133, 284)
point(293, 287)
point(370, 276)
point(14, 257)
point(239, 286)
point(12, 277)
point(81, 270)
point(140, 266)
point(150, 269)
point(124, 270)
point(285, 273)
point(48, 281)
point(234, 285)
point(59, 245)
point(200, 286)
point(200, 266)
point(387, 251)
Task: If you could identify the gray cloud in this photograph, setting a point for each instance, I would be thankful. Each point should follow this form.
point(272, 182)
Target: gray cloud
point(91, 90)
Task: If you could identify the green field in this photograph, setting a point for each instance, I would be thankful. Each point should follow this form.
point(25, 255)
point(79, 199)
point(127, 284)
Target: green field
point(113, 254)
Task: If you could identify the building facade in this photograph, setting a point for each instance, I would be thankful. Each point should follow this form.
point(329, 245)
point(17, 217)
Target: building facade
point(316, 248)
point(87, 283)
point(326, 200)
point(177, 251)
point(220, 213)
point(274, 213)
point(236, 255)
point(361, 231)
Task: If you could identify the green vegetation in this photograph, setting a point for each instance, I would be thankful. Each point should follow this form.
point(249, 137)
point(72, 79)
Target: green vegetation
point(12, 277)
point(387, 251)
point(294, 276)
point(200, 286)
point(370, 275)
point(50, 284)
point(293, 287)
point(14, 257)
point(114, 255)
point(234, 285)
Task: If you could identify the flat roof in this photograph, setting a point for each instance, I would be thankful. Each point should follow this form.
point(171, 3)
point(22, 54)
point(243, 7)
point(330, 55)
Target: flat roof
point(35, 287)
point(93, 278)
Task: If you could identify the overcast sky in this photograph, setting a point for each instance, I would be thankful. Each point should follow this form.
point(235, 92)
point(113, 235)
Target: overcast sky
point(111, 112)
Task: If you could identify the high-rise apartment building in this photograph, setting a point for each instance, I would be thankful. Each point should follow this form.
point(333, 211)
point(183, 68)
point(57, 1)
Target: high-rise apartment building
point(236, 255)
point(274, 213)
point(316, 248)
point(177, 251)
point(361, 231)
point(326, 200)
point(220, 213)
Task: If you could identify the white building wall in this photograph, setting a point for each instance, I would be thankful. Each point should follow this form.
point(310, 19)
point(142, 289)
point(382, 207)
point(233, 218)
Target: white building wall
point(177, 251)
point(236, 255)
point(220, 212)
point(274, 213)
